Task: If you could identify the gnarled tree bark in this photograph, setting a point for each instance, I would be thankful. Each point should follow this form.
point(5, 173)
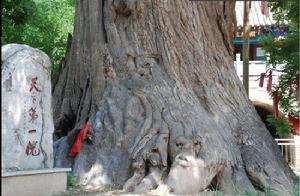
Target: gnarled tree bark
point(157, 82)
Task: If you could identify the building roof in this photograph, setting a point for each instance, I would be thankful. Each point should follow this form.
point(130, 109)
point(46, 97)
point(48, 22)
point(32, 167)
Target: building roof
point(256, 18)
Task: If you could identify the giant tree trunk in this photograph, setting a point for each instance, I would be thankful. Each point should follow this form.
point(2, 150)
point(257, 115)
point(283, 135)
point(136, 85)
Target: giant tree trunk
point(156, 80)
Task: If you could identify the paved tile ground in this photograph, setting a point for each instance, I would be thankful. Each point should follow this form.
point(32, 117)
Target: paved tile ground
point(257, 93)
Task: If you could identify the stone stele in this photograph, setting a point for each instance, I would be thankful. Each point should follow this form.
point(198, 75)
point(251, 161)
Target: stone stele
point(27, 123)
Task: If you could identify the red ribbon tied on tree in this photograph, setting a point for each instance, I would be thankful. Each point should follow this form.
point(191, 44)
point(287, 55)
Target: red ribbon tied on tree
point(275, 104)
point(261, 79)
point(269, 86)
point(76, 147)
point(297, 89)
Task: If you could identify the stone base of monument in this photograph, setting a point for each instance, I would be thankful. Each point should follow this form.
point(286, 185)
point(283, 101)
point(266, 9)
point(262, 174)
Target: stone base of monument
point(42, 182)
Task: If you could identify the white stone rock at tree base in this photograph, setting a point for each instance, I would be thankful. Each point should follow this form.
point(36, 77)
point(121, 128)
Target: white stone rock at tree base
point(21, 113)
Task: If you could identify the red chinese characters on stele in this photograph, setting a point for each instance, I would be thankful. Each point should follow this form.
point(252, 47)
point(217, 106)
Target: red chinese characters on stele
point(32, 148)
point(33, 115)
point(33, 85)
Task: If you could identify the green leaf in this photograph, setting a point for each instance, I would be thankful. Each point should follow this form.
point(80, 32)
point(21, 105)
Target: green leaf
point(281, 124)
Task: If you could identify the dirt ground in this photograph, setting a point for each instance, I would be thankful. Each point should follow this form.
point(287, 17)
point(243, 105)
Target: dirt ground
point(110, 192)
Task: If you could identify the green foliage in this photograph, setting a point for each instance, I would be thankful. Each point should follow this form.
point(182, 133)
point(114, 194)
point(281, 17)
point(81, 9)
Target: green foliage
point(285, 51)
point(296, 189)
point(71, 180)
point(42, 24)
point(269, 192)
point(285, 11)
point(16, 10)
point(283, 128)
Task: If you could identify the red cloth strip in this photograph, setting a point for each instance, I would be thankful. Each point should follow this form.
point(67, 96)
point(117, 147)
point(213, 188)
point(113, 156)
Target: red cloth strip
point(76, 147)
point(261, 79)
point(275, 104)
point(298, 92)
point(269, 86)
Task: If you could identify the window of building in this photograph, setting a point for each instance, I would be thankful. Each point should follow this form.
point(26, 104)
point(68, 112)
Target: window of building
point(260, 54)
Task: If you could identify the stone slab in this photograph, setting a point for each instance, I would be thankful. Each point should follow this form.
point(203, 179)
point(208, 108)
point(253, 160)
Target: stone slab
point(34, 182)
point(27, 123)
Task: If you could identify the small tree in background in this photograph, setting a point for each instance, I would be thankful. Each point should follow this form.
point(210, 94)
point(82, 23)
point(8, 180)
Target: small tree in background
point(42, 24)
point(286, 51)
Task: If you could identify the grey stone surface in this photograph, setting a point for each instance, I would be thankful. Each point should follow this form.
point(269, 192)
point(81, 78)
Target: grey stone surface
point(27, 123)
